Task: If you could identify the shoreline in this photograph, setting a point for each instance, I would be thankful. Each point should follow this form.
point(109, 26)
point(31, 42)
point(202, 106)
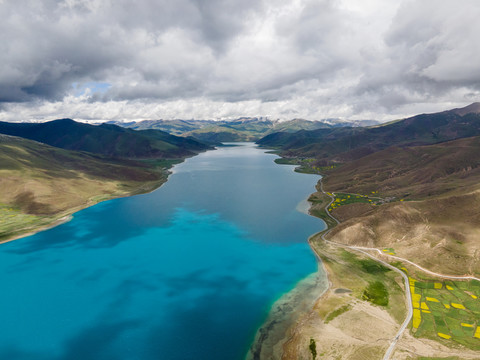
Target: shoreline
point(342, 322)
point(285, 314)
point(279, 338)
point(68, 215)
point(293, 330)
point(54, 223)
point(296, 338)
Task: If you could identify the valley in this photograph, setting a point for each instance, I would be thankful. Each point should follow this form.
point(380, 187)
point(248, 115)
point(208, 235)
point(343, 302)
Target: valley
point(393, 194)
point(240, 180)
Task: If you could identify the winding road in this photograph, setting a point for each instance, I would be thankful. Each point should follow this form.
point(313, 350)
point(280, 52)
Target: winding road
point(394, 341)
point(364, 250)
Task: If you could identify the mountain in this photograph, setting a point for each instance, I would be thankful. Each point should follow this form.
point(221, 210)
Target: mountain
point(427, 212)
point(407, 194)
point(421, 176)
point(106, 139)
point(242, 129)
point(348, 143)
point(41, 184)
point(50, 170)
point(413, 184)
point(470, 109)
point(412, 172)
point(174, 127)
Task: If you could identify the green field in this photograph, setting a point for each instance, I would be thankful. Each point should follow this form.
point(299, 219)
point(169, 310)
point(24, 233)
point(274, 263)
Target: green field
point(12, 220)
point(306, 165)
point(367, 280)
point(337, 312)
point(319, 201)
point(342, 199)
point(447, 310)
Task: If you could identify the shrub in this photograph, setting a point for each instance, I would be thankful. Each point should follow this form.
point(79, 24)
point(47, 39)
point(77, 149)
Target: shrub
point(376, 293)
point(313, 348)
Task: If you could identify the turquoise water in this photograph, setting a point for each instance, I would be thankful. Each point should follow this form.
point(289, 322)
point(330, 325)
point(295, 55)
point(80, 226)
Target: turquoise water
point(188, 271)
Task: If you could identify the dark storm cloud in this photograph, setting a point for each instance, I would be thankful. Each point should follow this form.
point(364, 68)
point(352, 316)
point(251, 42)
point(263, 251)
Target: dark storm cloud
point(47, 48)
point(49, 45)
point(221, 58)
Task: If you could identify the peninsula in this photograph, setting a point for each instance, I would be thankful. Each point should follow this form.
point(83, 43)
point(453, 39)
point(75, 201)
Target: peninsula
point(51, 170)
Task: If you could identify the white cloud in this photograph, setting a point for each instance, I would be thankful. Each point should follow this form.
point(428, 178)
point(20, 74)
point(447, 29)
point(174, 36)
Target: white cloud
point(227, 58)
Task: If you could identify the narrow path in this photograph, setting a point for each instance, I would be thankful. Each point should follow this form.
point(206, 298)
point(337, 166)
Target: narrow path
point(462, 277)
point(394, 341)
point(454, 277)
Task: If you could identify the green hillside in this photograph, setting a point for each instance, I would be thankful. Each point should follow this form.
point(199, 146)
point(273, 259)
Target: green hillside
point(106, 139)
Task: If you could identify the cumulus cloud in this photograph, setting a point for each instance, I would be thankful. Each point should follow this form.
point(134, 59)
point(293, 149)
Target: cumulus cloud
point(150, 59)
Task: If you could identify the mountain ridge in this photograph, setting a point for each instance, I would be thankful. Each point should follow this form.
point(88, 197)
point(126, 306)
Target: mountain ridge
point(107, 139)
point(241, 129)
point(346, 144)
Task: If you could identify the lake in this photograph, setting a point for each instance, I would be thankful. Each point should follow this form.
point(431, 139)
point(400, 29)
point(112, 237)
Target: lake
point(189, 271)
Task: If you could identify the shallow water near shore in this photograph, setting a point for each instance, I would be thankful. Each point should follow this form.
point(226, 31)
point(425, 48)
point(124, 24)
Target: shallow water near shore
point(284, 316)
point(188, 271)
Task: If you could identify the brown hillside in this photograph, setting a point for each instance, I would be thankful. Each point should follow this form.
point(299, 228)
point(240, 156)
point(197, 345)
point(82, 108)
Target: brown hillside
point(412, 172)
point(439, 228)
point(438, 234)
point(40, 184)
point(472, 108)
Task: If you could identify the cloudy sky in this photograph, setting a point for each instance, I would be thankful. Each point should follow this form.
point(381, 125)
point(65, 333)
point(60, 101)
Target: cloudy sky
point(213, 59)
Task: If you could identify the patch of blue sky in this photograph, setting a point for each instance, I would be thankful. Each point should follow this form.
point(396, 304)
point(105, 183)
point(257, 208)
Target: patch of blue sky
point(90, 88)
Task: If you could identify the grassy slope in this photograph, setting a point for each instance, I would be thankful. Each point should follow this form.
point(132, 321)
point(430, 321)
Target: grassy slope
point(40, 184)
point(343, 323)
